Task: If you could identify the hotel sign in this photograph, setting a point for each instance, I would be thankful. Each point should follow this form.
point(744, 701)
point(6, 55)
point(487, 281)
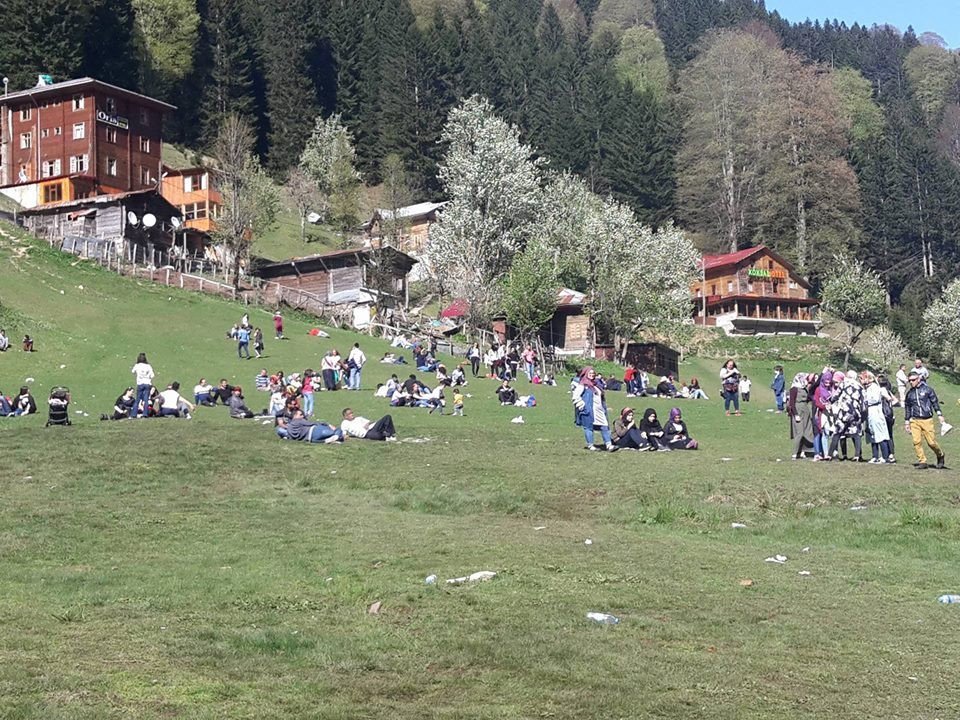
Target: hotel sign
point(115, 120)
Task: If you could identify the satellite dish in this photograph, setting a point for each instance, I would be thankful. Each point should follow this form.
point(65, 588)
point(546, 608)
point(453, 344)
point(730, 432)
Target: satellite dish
point(132, 218)
point(175, 221)
point(149, 220)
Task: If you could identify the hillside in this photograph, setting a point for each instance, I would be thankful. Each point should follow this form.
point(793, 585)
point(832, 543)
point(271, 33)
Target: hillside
point(205, 569)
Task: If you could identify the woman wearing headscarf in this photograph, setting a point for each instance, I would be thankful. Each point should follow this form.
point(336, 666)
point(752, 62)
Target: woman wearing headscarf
point(626, 434)
point(730, 383)
point(676, 433)
point(590, 409)
point(822, 414)
point(875, 394)
point(800, 410)
point(848, 414)
point(652, 431)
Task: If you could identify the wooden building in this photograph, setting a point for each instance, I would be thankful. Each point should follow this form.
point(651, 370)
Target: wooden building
point(342, 276)
point(653, 357)
point(753, 291)
point(192, 191)
point(76, 139)
point(106, 220)
point(410, 228)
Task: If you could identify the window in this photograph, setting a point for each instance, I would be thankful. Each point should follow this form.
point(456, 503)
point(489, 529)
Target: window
point(112, 135)
point(78, 102)
point(78, 164)
point(52, 193)
point(713, 289)
point(57, 131)
point(144, 116)
point(26, 141)
point(749, 285)
point(112, 166)
point(50, 168)
point(144, 175)
point(144, 145)
point(214, 211)
point(26, 112)
point(111, 104)
point(769, 264)
point(79, 131)
point(44, 133)
point(793, 285)
point(729, 286)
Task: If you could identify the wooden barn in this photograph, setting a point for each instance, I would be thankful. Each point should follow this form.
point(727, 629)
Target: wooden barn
point(106, 219)
point(753, 291)
point(343, 276)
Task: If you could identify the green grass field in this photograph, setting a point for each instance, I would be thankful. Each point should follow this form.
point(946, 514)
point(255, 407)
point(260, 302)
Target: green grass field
point(205, 569)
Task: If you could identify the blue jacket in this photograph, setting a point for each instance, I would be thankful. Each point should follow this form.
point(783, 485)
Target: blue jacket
point(584, 418)
point(779, 384)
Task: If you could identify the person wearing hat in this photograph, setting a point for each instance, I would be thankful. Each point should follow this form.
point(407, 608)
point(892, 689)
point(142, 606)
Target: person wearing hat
point(919, 407)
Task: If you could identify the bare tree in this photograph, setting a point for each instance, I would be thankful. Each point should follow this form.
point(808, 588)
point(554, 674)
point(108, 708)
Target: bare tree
point(250, 199)
point(306, 196)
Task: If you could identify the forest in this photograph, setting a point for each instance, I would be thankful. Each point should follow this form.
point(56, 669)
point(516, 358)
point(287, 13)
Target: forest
point(817, 139)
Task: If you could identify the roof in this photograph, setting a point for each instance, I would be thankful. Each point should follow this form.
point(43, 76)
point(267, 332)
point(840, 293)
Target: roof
point(424, 208)
point(95, 200)
point(570, 298)
point(715, 262)
point(458, 308)
point(780, 299)
point(278, 267)
point(77, 84)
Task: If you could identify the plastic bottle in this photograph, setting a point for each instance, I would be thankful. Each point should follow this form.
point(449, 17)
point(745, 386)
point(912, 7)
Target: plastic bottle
point(949, 599)
point(604, 618)
point(431, 580)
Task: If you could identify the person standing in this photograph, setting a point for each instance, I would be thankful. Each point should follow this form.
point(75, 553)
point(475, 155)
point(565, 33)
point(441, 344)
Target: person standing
point(919, 408)
point(590, 409)
point(745, 385)
point(328, 369)
point(143, 373)
point(921, 370)
point(800, 408)
point(243, 342)
point(278, 324)
point(779, 385)
point(874, 395)
point(902, 383)
point(258, 342)
point(529, 362)
point(355, 362)
point(473, 355)
point(730, 382)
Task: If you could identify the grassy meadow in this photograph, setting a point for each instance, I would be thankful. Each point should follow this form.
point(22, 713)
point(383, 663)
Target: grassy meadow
point(205, 569)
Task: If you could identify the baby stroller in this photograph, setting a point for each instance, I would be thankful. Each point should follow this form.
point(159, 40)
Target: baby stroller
point(59, 407)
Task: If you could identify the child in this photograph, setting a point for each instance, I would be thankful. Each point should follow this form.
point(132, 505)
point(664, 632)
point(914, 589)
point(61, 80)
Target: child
point(258, 342)
point(745, 384)
point(27, 343)
point(458, 402)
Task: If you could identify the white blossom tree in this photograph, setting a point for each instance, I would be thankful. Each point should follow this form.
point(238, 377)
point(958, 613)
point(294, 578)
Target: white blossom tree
point(886, 349)
point(329, 159)
point(854, 295)
point(492, 181)
point(941, 321)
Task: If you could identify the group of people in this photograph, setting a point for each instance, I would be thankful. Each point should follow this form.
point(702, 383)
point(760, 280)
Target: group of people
point(23, 403)
point(832, 411)
point(590, 414)
point(26, 344)
point(243, 333)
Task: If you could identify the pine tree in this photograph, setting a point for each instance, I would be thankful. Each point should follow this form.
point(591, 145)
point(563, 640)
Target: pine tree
point(114, 62)
point(44, 36)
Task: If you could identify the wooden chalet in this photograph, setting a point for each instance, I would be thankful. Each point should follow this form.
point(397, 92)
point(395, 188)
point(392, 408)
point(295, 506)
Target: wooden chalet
point(411, 225)
point(754, 291)
point(343, 277)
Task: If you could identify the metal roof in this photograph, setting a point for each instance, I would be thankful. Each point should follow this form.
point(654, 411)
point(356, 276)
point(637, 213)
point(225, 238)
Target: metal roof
point(84, 82)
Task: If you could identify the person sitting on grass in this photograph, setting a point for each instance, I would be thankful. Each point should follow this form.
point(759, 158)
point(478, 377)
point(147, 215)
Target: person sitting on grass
point(506, 394)
point(4, 341)
point(652, 431)
point(360, 427)
point(262, 380)
point(695, 391)
point(6, 407)
point(24, 404)
point(223, 392)
point(299, 428)
point(676, 432)
point(626, 434)
point(123, 406)
point(27, 343)
point(238, 410)
point(173, 404)
point(204, 393)
point(438, 400)
point(458, 377)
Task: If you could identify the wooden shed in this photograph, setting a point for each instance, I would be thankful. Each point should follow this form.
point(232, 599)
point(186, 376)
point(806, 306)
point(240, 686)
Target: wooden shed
point(342, 275)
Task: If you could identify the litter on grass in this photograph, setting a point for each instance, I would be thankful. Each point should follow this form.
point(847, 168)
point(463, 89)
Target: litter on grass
point(540, 527)
point(726, 459)
point(859, 507)
point(518, 420)
point(430, 580)
point(778, 559)
point(737, 525)
point(588, 541)
point(603, 618)
point(806, 549)
point(374, 609)
point(479, 576)
point(803, 572)
point(746, 582)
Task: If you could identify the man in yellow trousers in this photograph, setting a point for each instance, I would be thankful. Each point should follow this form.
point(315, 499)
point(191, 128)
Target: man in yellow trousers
point(920, 404)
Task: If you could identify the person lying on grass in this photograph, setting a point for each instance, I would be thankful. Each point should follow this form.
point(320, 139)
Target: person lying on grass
point(299, 428)
point(360, 427)
point(676, 432)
